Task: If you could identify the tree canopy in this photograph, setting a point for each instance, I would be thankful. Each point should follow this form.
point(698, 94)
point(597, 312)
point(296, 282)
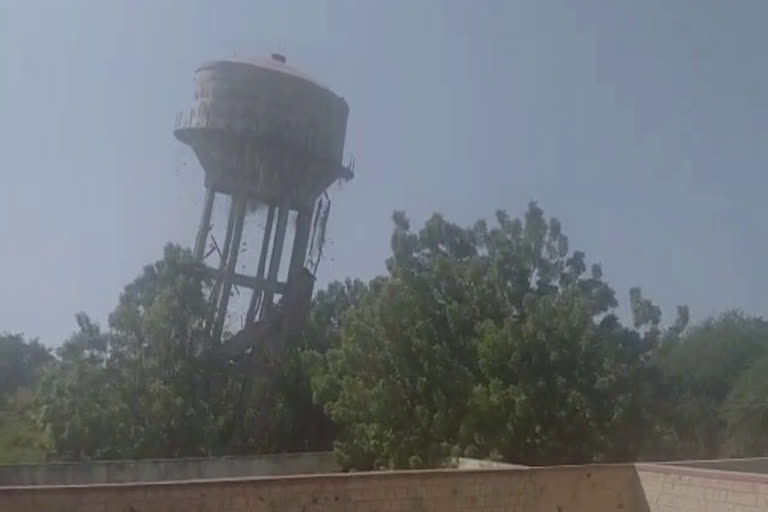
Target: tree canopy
point(497, 340)
point(488, 342)
point(146, 386)
point(22, 362)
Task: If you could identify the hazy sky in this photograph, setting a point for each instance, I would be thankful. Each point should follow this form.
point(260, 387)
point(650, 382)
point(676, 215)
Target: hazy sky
point(643, 126)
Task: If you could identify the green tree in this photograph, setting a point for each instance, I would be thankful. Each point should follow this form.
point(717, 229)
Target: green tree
point(79, 404)
point(22, 362)
point(491, 341)
point(148, 385)
point(328, 309)
point(745, 413)
point(703, 364)
point(488, 342)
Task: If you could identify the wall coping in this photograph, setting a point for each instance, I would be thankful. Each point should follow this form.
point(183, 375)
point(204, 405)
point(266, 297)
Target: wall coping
point(426, 473)
point(666, 467)
point(704, 461)
point(105, 462)
point(671, 468)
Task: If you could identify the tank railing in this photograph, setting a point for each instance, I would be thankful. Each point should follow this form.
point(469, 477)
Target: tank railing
point(201, 118)
point(241, 122)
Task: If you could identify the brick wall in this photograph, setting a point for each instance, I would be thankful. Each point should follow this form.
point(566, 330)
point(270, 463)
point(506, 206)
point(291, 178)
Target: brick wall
point(669, 488)
point(556, 489)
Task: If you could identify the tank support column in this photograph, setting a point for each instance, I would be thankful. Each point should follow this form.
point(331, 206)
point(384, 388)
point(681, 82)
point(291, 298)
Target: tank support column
point(257, 294)
point(277, 253)
point(205, 224)
point(239, 204)
point(300, 241)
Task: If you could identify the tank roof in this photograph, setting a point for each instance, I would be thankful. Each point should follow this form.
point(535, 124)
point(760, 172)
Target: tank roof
point(275, 63)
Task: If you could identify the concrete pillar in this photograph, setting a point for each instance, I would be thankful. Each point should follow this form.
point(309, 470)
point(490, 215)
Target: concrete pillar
point(277, 251)
point(205, 223)
point(254, 304)
point(300, 241)
point(225, 249)
point(239, 205)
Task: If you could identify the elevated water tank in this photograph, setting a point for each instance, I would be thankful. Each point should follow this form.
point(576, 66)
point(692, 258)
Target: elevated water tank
point(265, 127)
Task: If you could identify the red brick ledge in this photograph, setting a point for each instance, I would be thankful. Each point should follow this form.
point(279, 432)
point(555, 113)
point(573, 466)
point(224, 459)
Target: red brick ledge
point(715, 474)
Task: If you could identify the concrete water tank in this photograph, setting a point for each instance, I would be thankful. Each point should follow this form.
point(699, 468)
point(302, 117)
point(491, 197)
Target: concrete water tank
point(264, 125)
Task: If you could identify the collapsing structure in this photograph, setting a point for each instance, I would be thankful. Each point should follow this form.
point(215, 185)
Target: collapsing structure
point(267, 136)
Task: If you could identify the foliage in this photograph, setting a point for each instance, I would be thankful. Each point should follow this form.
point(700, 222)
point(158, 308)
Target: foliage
point(745, 413)
point(705, 363)
point(21, 364)
point(496, 341)
point(147, 387)
point(21, 439)
point(459, 347)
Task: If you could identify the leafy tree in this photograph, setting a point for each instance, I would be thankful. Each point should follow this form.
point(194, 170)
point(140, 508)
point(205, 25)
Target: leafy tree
point(327, 312)
point(79, 402)
point(704, 364)
point(21, 364)
point(745, 413)
point(488, 342)
point(495, 341)
point(21, 441)
point(149, 387)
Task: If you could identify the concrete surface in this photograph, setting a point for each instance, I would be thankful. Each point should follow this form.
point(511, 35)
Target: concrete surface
point(555, 489)
point(467, 463)
point(676, 488)
point(752, 465)
point(154, 470)
point(488, 487)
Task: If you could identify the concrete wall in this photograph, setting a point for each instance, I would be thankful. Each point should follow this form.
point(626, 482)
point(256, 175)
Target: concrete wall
point(668, 488)
point(753, 465)
point(153, 470)
point(467, 463)
point(620, 488)
point(555, 489)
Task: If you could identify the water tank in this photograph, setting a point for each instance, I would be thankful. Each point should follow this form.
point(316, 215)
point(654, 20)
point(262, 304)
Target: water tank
point(262, 125)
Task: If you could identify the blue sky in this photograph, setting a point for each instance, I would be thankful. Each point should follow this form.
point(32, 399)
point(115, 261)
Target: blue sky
point(641, 125)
